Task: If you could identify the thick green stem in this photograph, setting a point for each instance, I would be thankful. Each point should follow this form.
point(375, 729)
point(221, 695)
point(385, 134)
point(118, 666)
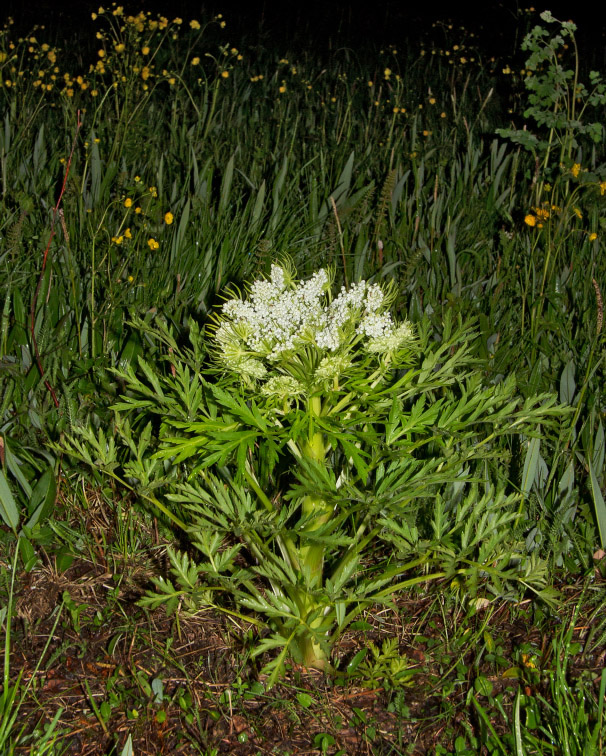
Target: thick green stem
point(316, 512)
point(312, 652)
point(313, 508)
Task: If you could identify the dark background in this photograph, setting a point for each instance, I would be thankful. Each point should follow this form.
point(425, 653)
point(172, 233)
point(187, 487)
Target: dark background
point(380, 21)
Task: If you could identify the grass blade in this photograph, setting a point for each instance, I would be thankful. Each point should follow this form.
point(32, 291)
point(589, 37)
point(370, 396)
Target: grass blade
point(598, 503)
point(8, 506)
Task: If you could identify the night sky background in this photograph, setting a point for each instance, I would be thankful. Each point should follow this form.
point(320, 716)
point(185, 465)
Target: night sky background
point(320, 22)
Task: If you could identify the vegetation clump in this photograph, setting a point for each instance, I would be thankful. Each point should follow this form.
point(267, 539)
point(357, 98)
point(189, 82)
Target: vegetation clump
point(301, 392)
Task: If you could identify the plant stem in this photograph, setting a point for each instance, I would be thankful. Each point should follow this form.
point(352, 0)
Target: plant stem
point(315, 513)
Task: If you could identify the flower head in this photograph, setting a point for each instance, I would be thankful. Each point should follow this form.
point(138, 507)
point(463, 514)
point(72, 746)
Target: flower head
point(283, 319)
point(283, 387)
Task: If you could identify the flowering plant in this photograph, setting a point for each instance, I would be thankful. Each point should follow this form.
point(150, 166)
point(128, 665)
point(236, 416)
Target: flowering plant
point(325, 459)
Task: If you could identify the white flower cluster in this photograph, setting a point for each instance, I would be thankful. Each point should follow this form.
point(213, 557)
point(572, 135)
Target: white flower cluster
point(276, 318)
point(392, 339)
point(279, 317)
point(332, 367)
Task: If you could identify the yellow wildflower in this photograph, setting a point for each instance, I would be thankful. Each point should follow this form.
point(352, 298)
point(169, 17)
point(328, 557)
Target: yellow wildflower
point(387, 73)
point(530, 220)
point(152, 244)
point(225, 74)
point(194, 24)
point(576, 169)
point(168, 218)
point(577, 212)
point(602, 187)
point(593, 237)
point(128, 202)
point(195, 61)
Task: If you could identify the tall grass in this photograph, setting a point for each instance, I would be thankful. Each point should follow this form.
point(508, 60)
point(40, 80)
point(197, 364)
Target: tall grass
point(200, 161)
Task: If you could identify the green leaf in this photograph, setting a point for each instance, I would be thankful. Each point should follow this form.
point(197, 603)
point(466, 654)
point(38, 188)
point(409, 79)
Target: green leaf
point(482, 686)
point(355, 662)
point(14, 466)
point(567, 383)
point(598, 448)
point(43, 497)
point(226, 184)
point(8, 506)
point(28, 553)
point(598, 503)
point(530, 465)
point(305, 700)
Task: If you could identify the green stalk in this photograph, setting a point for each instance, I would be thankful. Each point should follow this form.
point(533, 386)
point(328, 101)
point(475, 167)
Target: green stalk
point(315, 510)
